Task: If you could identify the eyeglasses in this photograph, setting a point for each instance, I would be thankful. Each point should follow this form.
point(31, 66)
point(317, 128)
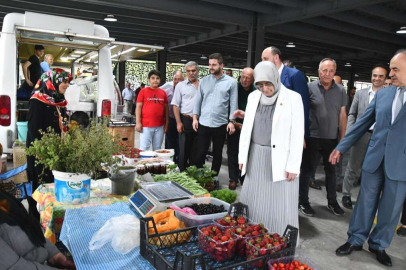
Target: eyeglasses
point(262, 85)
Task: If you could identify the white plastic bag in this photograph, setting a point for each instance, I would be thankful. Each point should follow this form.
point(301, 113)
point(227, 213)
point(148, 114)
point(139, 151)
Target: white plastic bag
point(122, 231)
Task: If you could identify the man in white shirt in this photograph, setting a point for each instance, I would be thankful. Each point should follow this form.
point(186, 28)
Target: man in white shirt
point(128, 94)
point(361, 101)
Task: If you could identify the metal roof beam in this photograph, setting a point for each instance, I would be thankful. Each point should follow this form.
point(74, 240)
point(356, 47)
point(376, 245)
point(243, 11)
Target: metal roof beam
point(348, 28)
point(363, 21)
point(184, 9)
point(314, 9)
point(259, 7)
point(287, 3)
point(227, 30)
point(342, 56)
point(326, 36)
point(385, 12)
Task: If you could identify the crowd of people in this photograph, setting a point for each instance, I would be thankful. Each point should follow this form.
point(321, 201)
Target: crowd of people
point(278, 126)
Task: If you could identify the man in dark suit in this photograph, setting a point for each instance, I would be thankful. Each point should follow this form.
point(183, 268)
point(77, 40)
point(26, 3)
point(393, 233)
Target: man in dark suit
point(383, 185)
point(292, 79)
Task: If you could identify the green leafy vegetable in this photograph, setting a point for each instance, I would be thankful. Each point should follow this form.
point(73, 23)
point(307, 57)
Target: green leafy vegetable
point(202, 175)
point(224, 195)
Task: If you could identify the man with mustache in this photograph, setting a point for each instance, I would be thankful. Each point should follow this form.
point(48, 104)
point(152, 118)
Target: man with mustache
point(216, 101)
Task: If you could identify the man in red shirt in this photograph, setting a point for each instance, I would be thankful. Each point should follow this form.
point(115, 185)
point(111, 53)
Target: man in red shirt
point(152, 113)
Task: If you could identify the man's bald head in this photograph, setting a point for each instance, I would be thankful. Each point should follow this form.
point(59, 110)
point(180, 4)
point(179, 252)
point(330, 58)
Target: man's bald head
point(177, 77)
point(247, 78)
point(338, 79)
point(272, 54)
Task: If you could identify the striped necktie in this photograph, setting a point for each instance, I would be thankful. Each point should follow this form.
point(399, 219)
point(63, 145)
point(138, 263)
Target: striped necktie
point(399, 101)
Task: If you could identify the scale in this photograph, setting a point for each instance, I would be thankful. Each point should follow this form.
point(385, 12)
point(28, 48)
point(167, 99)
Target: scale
point(158, 196)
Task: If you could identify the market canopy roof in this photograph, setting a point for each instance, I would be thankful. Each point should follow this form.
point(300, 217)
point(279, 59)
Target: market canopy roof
point(360, 32)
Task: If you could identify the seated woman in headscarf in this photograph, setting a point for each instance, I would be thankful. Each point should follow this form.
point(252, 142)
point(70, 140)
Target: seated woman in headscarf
point(47, 108)
point(22, 242)
point(270, 154)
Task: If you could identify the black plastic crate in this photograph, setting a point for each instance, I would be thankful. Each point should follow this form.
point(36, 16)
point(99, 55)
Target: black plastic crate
point(179, 250)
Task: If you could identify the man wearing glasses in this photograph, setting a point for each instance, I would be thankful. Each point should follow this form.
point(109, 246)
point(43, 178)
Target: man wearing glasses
point(328, 115)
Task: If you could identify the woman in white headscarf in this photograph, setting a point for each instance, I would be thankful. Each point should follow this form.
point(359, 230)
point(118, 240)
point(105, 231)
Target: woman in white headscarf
point(270, 154)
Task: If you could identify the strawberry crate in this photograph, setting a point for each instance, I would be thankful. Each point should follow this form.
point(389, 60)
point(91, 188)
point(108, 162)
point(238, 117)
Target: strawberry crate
point(291, 262)
point(219, 244)
point(245, 232)
point(266, 244)
point(169, 251)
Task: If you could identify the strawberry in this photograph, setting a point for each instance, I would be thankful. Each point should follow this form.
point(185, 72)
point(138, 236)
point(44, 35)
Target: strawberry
point(241, 220)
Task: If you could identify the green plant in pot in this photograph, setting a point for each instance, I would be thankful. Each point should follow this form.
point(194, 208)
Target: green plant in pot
point(74, 157)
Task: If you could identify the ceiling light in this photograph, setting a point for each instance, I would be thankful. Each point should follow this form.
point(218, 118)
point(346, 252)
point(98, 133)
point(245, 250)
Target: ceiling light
point(75, 55)
point(112, 47)
point(110, 18)
point(79, 52)
point(203, 57)
point(402, 30)
point(246, 51)
point(94, 56)
point(64, 58)
point(348, 65)
point(183, 60)
point(291, 45)
point(126, 51)
point(143, 50)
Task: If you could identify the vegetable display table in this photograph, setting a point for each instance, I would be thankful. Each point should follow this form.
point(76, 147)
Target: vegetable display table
point(78, 229)
point(52, 213)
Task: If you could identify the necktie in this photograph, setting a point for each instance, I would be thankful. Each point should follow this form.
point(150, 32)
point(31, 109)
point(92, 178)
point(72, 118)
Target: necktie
point(399, 101)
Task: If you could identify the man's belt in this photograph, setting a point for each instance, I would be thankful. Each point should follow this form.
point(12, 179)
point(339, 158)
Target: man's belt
point(187, 116)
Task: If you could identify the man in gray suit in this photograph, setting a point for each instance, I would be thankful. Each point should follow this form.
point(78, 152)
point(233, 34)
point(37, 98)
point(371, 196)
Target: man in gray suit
point(361, 101)
point(383, 185)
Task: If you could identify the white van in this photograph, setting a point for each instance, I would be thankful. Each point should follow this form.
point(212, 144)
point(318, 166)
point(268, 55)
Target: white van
point(76, 43)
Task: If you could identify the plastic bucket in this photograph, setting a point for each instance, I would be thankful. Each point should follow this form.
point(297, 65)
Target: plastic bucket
point(123, 181)
point(22, 130)
point(71, 188)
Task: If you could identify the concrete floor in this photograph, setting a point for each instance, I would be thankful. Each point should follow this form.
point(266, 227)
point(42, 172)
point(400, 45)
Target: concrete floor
point(321, 235)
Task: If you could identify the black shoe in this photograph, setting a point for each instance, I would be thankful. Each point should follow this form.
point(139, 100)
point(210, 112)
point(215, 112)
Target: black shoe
point(401, 231)
point(346, 249)
point(306, 210)
point(381, 256)
point(313, 184)
point(232, 185)
point(335, 207)
point(347, 203)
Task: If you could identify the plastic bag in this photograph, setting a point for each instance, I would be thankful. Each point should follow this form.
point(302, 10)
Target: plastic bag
point(122, 231)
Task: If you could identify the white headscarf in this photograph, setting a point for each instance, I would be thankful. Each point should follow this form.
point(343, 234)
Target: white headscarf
point(266, 72)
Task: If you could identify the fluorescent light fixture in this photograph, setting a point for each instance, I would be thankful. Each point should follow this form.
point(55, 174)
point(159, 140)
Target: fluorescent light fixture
point(112, 47)
point(64, 58)
point(402, 30)
point(290, 45)
point(110, 18)
point(143, 50)
point(183, 60)
point(94, 56)
point(203, 57)
point(348, 65)
point(126, 51)
point(75, 55)
point(79, 52)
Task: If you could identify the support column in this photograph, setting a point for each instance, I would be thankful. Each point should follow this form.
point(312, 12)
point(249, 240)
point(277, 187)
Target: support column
point(161, 58)
point(351, 81)
point(256, 41)
point(121, 75)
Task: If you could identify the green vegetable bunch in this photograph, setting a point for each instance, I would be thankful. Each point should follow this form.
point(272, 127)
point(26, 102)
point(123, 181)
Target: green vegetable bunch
point(78, 150)
point(184, 180)
point(202, 175)
point(224, 195)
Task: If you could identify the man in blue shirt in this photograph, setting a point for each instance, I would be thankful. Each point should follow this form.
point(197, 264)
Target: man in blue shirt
point(216, 101)
point(47, 63)
point(128, 98)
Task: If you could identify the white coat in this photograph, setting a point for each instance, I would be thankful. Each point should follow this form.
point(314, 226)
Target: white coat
point(287, 133)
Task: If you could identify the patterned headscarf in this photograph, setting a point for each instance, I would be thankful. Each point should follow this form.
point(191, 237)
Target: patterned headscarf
point(47, 88)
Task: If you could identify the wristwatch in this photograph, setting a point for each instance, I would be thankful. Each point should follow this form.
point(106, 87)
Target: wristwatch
point(232, 121)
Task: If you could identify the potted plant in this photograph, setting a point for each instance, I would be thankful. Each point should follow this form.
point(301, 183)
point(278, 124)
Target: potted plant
point(74, 156)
